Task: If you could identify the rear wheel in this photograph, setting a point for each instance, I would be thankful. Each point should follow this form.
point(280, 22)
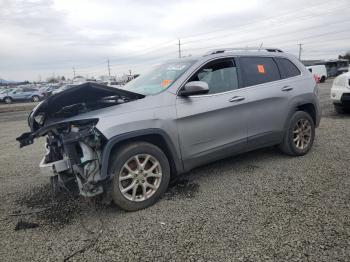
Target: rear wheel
point(8, 100)
point(141, 175)
point(323, 78)
point(299, 137)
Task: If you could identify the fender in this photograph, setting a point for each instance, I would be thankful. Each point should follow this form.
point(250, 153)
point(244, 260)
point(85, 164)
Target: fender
point(299, 101)
point(134, 134)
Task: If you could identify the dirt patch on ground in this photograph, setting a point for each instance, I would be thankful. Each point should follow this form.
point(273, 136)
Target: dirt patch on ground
point(55, 211)
point(183, 188)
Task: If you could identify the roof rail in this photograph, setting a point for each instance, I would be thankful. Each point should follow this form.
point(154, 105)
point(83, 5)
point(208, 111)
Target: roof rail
point(224, 50)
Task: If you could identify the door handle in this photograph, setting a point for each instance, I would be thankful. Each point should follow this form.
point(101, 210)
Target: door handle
point(287, 88)
point(236, 99)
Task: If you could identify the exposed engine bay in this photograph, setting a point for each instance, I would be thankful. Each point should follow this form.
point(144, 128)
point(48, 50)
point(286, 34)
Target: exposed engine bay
point(74, 147)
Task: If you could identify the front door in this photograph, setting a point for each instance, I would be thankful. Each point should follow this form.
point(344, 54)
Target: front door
point(213, 125)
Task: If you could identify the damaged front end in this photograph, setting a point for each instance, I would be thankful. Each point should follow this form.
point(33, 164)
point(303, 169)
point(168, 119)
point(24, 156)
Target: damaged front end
point(74, 154)
point(74, 145)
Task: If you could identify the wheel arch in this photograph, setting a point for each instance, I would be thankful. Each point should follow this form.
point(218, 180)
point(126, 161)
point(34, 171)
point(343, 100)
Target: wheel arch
point(310, 109)
point(306, 106)
point(154, 136)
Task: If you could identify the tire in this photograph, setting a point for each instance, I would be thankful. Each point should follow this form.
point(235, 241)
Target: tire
point(295, 142)
point(143, 196)
point(339, 109)
point(8, 100)
point(323, 78)
point(35, 99)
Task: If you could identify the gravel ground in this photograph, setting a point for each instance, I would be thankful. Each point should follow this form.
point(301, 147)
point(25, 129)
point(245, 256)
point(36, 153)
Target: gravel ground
point(260, 206)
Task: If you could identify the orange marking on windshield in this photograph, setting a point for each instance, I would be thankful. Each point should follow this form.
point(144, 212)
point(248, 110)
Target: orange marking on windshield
point(165, 82)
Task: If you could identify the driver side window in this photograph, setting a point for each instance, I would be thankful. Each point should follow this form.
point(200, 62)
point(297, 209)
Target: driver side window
point(220, 75)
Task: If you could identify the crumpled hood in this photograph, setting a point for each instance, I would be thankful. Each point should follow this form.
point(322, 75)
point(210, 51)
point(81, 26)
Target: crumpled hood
point(78, 100)
point(74, 103)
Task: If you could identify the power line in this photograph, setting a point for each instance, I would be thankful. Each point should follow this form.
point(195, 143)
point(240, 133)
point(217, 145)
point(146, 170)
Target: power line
point(281, 15)
point(247, 41)
point(153, 49)
point(157, 47)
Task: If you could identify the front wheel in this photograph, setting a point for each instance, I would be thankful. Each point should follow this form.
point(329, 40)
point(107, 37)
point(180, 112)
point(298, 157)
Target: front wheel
point(8, 100)
point(299, 137)
point(141, 175)
point(35, 99)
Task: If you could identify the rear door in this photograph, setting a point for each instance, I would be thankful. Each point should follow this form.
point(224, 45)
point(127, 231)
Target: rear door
point(213, 125)
point(268, 97)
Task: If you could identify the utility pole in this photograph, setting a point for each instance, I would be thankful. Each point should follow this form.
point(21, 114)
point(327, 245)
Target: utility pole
point(179, 44)
point(300, 50)
point(109, 69)
point(73, 71)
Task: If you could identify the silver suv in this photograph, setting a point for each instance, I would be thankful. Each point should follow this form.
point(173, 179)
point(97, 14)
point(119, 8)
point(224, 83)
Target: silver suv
point(128, 143)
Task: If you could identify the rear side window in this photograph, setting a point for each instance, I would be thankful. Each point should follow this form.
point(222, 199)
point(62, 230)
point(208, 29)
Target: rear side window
point(287, 68)
point(258, 70)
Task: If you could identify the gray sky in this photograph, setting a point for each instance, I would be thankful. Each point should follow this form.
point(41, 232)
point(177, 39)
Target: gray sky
point(46, 37)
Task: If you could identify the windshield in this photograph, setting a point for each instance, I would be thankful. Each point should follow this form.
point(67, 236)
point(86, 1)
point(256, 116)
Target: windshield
point(158, 79)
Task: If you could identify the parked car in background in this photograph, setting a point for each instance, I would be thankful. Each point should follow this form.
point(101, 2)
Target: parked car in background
point(62, 88)
point(319, 70)
point(21, 94)
point(340, 93)
point(47, 90)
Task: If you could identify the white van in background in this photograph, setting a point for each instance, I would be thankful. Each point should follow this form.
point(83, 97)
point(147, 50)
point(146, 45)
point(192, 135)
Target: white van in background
point(318, 70)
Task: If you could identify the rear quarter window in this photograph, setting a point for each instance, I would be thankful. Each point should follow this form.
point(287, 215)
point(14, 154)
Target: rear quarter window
point(287, 68)
point(258, 70)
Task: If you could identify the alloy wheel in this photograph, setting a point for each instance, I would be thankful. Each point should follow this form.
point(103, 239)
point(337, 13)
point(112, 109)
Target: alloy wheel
point(302, 134)
point(140, 177)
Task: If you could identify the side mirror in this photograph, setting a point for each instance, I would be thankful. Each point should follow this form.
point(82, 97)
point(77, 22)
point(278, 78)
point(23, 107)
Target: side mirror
point(194, 88)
